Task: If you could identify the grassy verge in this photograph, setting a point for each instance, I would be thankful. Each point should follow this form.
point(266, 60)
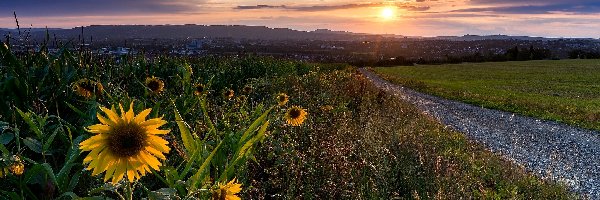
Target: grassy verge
point(564, 90)
point(374, 146)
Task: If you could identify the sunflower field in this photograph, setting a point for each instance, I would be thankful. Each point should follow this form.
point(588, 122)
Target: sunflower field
point(74, 125)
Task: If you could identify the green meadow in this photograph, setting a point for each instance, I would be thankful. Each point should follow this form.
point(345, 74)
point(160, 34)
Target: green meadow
point(559, 90)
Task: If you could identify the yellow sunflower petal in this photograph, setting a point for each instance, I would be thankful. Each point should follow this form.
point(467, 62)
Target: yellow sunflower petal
point(141, 117)
point(111, 114)
point(138, 165)
point(234, 187)
point(158, 132)
point(100, 166)
point(98, 128)
point(93, 154)
point(94, 163)
point(155, 152)
point(232, 197)
point(156, 125)
point(110, 170)
point(141, 165)
point(129, 114)
point(158, 143)
point(153, 121)
point(144, 170)
point(119, 171)
point(150, 160)
point(103, 120)
point(130, 172)
point(122, 112)
point(88, 159)
point(92, 142)
point(108, 162)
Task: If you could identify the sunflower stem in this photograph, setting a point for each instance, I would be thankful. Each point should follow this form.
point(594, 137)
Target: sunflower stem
point(116, 191)
point(129, 192)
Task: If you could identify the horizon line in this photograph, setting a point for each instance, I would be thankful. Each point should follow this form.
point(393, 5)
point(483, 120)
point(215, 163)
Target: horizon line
point(308, 31)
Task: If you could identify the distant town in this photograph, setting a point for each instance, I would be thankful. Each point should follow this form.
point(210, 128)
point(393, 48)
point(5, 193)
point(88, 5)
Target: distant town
point(314, 46)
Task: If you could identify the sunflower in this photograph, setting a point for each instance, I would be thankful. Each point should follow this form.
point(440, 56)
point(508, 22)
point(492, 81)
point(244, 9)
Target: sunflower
point(228, 94)
point(125, 144)
point(247, 89)
point(227, 191)
point(199, 89)
point(295, 116)
point(17, 168)
point(155, 85)
point(242, 98)
point(87, 88)
point(282, 99)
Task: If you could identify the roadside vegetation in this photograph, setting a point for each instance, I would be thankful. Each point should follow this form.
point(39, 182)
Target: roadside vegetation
point(130, 127)
point(558, 90)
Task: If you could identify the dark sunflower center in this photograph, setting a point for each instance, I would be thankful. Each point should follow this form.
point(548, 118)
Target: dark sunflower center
point(154, 85)
point(87, 85)
point(200, 89)
point(281, 98)
point(295, 113)
point(127, 140)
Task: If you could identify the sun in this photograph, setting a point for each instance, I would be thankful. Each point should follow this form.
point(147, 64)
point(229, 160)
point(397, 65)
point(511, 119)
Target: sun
point(388, 12)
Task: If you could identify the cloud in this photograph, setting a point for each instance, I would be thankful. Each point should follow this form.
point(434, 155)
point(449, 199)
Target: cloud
point(533, 2)
point(257, 7)
point(405, 6)
point(95, 7)
point(538, 9)
point(443, 15)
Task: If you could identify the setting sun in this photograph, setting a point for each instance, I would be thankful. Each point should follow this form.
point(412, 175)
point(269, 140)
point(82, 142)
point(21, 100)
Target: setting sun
point(388, 12)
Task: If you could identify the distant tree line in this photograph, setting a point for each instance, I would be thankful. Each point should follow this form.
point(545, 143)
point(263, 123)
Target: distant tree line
point(516, 54)
point(513, 54)
point(582, 54)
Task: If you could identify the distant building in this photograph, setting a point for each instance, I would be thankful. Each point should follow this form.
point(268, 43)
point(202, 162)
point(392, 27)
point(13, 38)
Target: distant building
point(122, 51)
point(194, 45)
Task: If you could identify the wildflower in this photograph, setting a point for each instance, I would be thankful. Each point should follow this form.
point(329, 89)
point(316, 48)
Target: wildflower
point(199, 89)
point(326, 108)
point(17, 168)
point(87, 88)
point(227, 191)
point(155, 85)
point(247, 89)
point(295, 116)
point(228, 94)
point(125, 145)
point(242, 99)
point(282, 99)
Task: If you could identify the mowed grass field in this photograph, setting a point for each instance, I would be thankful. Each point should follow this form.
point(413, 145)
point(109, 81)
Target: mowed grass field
point(560, 90)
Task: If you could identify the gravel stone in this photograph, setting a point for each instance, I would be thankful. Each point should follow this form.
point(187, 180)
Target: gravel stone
point(551, 150)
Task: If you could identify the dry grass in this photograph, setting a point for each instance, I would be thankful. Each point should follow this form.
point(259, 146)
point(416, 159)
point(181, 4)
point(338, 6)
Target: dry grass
point(374, 146)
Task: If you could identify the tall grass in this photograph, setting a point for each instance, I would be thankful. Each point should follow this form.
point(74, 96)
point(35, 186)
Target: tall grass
point(372, 145)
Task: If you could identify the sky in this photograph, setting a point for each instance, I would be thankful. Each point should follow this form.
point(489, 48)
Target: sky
point(547, 18)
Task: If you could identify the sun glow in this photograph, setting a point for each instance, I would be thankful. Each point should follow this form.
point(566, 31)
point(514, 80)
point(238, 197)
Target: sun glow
point(388, 12)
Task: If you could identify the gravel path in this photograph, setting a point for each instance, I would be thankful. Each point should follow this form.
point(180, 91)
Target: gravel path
point(551, 150)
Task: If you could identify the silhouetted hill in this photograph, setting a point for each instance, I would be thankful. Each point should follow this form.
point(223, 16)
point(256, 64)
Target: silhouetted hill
point(120, 32)
point(117, 32)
